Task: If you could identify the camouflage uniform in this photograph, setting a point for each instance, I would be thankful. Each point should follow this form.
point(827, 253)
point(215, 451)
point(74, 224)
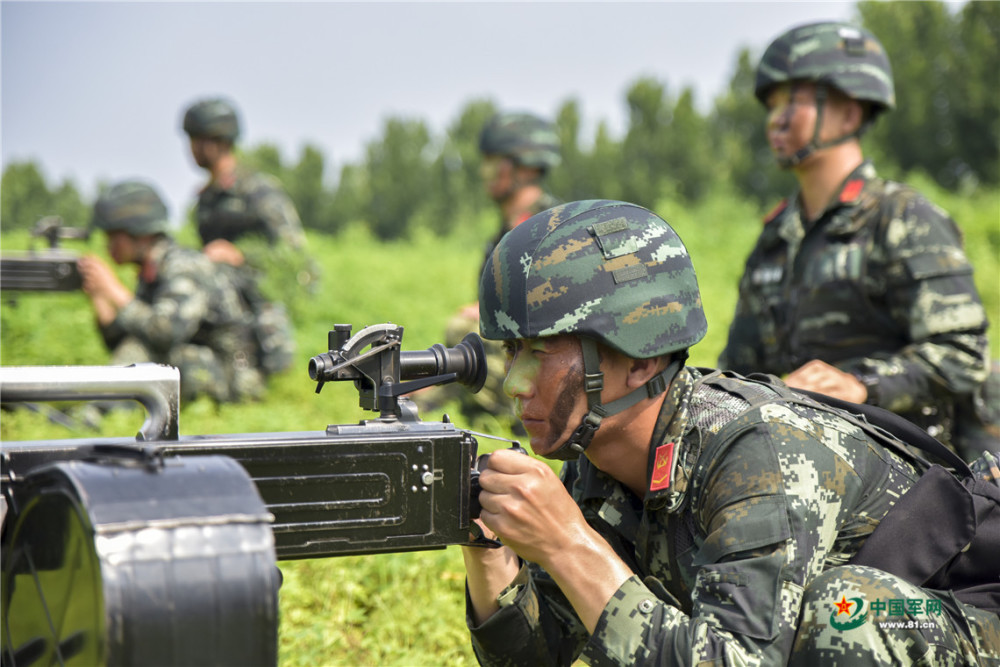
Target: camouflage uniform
point(878, 286)
point(757, 498)
point(255, 207)
point(740, 549)
point(253, 212)
point(189, 315)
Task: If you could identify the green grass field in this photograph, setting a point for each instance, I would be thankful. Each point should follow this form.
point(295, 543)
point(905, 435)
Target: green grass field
point(401, 609)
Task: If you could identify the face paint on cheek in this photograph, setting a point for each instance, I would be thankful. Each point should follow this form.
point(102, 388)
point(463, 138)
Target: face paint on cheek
point(569, 392)
point(522, 372)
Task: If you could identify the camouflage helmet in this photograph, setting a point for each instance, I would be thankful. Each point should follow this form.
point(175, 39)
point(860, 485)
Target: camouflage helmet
point(844, 56)
point(214, 119)
point(526, 139)
point(133, 207)
point(607, 270)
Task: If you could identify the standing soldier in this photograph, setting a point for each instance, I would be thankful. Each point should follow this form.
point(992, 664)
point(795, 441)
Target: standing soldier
point(185, 310)
point(247, 221)
point(858, 287)
point(518, 151)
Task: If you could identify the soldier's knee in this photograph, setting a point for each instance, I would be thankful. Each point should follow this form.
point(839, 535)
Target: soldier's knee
point(846, 619)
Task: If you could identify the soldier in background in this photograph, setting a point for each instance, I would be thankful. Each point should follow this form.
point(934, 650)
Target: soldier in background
point(185, 311)
point(518, 151)
point(858, 287)
point(701, 517)
point(247, 221)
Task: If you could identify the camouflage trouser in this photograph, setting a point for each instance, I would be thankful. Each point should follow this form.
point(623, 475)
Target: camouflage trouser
point(855, 615)
point(202, 372)
point(491, 399)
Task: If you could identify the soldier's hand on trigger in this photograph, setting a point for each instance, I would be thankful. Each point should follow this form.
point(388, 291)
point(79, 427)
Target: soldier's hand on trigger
point(526, 505)
point(98, 278)
point(820, 376)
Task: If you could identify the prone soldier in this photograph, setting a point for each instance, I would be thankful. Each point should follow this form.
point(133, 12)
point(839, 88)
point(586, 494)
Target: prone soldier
point(185, 311)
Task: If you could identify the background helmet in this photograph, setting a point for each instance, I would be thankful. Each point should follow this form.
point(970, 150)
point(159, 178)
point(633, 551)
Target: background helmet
point(607, 270)
point(844, 56)
point(526, 139)
point(213, 119)
point(133, 207)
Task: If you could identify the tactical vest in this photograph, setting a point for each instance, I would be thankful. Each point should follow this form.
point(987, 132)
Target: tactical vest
point(229, 216)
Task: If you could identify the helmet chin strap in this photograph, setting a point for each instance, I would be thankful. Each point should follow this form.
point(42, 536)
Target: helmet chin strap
point(822, 94)
point(593, 384)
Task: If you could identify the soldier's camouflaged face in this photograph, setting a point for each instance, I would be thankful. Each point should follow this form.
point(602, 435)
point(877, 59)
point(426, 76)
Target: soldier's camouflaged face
point(609, 270)
point(844, 56)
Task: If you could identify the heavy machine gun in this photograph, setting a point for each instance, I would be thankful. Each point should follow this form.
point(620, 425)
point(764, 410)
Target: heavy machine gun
point(49, 270)
point(161, 548)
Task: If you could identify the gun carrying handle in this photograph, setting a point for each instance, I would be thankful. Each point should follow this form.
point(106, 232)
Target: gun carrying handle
point(155, 386)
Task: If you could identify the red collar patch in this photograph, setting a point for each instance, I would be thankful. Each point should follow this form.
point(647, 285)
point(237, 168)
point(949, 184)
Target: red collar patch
point(660, 478)
point(851, 191)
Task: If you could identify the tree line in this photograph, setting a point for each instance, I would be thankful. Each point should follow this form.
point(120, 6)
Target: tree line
point(946, 124)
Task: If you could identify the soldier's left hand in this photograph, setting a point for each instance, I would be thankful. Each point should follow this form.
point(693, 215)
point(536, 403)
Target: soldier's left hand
point(820, 376)
point(221, 250)
point(98, 278)
point(526, 505)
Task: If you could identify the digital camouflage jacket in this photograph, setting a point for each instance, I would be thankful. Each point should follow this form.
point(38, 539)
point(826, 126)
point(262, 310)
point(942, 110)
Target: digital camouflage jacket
point(258, 216)
point(185, 307)
point(750, 500)
point(878, 286)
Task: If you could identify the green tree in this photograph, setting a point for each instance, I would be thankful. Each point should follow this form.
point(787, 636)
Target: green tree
point(397, 176)
point(305, 186)
point(975, 102)
point(585, 174)
point(455, 199)
point(944, 68)
point(689, 165)
point(27, 197)
point(738, 140)
point(645, 147)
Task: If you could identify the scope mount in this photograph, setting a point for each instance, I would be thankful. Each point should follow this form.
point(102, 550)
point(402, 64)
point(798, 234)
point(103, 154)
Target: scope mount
point(383, 375)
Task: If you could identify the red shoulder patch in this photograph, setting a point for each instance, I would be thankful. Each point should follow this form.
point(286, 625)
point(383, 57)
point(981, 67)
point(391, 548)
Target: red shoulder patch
point(776, 211)
point(851, 191)
point(660, 478)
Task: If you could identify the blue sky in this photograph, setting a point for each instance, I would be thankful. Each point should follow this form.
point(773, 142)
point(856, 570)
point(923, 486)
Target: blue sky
point(95, 90)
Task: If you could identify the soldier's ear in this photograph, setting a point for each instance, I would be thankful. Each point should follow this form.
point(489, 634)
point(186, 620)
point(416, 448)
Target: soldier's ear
point(855, 115)
point(642, 371)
